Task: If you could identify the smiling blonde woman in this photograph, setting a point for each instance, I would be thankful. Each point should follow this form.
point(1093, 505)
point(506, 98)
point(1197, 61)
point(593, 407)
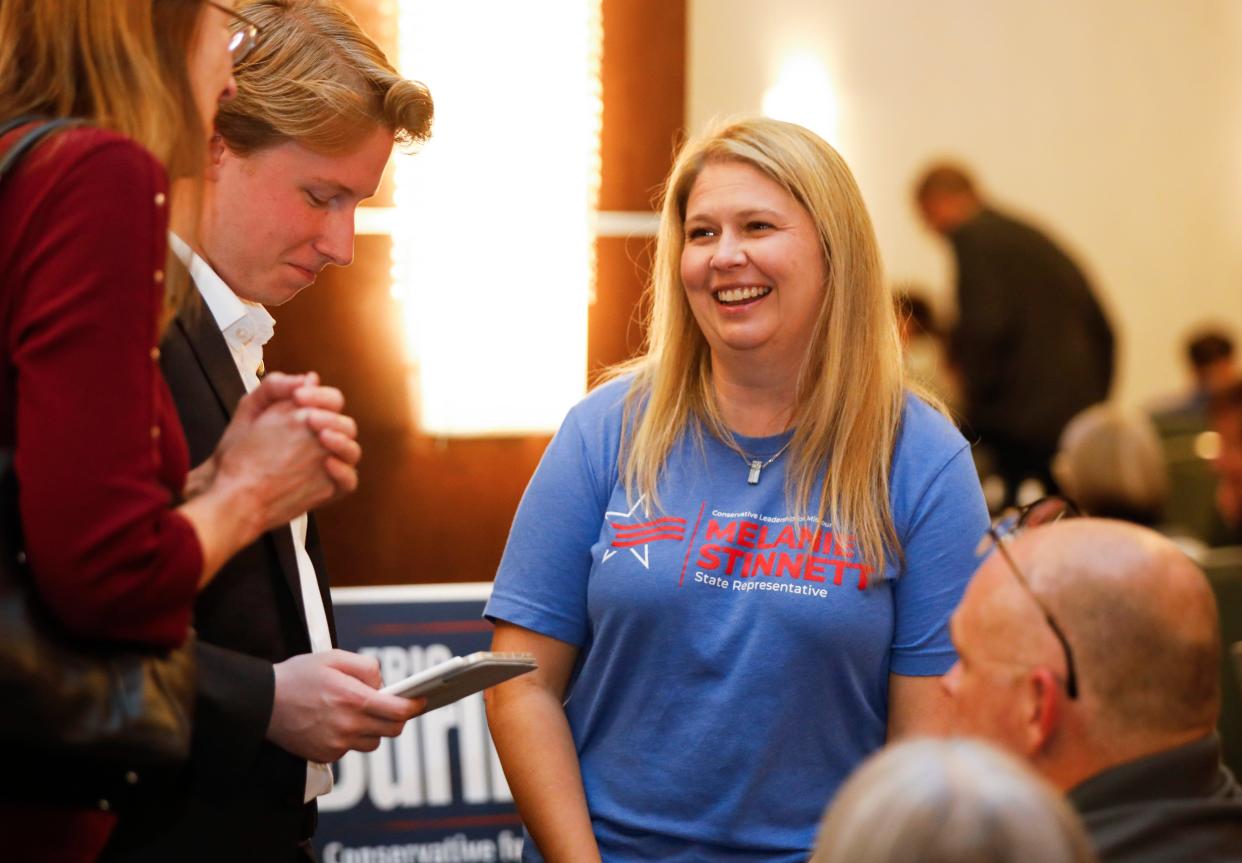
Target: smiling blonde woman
point(737, 558)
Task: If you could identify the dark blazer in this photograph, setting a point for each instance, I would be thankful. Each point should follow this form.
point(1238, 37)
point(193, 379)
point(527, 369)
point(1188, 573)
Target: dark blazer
point(1033, 345)
point(240, 799)
point(1179, 804)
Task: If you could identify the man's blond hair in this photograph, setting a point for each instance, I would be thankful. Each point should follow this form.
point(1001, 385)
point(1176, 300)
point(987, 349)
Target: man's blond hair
point(317, 79)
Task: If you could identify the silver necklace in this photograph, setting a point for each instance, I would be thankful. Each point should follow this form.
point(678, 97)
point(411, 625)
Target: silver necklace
point(756, 466)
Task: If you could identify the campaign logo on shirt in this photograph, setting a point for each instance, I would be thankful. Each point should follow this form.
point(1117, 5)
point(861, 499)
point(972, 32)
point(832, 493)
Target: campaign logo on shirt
point(630, 533)
point(742, 550)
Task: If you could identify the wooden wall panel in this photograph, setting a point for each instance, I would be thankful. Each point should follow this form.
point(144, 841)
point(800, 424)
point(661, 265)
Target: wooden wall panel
point(644, 98)
point(431, 510)
point(615, 323)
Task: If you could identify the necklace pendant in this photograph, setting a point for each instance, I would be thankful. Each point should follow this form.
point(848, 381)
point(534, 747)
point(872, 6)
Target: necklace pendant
point(755, 467)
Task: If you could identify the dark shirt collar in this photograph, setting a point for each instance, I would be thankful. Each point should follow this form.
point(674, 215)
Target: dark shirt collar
point(982, 217)
point(1192, 771)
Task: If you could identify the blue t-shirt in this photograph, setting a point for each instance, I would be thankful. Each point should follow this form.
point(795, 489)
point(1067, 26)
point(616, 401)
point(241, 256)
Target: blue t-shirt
point(733, 665)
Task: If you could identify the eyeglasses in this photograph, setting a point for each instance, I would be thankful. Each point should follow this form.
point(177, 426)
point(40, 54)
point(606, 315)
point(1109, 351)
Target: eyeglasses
point(245, 34)
point(1005, 530)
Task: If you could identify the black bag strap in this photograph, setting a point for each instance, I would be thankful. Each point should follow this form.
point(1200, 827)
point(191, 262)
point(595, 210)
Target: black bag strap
point(31, 138)
point(9, 125)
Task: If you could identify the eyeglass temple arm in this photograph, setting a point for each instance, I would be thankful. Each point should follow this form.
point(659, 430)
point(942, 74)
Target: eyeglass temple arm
point(1071, 678)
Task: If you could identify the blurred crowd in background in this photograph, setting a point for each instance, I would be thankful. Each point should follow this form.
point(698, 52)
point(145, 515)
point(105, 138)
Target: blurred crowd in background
point(1026, 370)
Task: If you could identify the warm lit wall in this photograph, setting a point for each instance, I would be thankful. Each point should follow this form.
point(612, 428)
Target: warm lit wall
point(1117, 123)
point(433, 510)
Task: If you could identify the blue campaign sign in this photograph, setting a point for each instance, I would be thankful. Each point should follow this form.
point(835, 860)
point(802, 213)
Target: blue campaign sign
point(436, 793)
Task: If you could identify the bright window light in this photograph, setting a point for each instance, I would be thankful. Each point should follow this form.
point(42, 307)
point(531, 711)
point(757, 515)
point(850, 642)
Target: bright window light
point(493, 244)
point(803, 94)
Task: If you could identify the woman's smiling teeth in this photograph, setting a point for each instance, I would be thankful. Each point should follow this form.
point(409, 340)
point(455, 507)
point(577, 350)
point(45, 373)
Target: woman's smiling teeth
point(741, 295)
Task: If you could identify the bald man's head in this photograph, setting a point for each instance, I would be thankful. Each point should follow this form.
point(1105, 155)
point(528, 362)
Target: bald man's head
point(1140, 617)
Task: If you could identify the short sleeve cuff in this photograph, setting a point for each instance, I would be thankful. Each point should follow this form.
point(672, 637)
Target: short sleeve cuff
point(922, 664)
point(553, 624)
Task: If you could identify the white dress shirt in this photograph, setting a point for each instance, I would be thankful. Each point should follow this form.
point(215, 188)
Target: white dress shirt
point(247, 327)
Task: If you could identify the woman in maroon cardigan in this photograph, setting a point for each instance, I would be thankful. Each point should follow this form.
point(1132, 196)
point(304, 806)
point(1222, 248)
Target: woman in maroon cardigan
point(99, 454)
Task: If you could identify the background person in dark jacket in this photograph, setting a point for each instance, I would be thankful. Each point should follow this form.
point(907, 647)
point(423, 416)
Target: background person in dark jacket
point(1032, 345)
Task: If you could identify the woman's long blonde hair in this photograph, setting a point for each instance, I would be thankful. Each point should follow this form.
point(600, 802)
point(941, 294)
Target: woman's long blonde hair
point(850, 385)
point(117, 64)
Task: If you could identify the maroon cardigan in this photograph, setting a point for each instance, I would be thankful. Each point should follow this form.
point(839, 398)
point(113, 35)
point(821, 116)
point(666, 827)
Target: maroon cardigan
point(98, 448)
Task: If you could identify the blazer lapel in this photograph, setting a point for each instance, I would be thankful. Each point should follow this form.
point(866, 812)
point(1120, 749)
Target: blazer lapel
point(212, 353)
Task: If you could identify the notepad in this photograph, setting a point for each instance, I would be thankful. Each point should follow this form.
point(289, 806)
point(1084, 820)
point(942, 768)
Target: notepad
point(460, 676)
